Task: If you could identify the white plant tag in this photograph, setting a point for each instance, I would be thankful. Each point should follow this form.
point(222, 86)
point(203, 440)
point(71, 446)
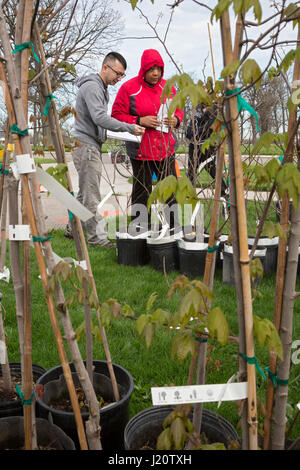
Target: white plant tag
point(2, 352)
point(199, 393)
point(298, 406)
point(5, 275)
point(62, 195)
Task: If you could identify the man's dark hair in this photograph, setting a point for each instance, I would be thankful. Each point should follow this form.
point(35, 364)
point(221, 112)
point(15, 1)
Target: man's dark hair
point(113, 56)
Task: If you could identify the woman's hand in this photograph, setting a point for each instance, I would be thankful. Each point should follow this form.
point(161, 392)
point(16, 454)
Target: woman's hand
point(149, 121)
point(170, 122)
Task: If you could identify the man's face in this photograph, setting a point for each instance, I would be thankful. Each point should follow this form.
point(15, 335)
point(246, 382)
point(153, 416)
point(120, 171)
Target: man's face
point(113, 72)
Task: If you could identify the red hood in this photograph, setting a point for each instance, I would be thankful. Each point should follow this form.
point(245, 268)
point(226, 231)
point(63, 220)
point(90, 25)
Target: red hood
point(150, 58)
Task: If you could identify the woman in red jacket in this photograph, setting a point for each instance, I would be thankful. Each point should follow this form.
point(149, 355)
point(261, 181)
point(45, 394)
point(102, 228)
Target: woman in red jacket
point(138, 102)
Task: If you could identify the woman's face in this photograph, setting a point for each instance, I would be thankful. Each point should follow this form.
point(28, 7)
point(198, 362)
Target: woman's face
point(153, 75)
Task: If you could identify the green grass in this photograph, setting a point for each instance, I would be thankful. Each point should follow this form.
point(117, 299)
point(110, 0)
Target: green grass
point(153, 366)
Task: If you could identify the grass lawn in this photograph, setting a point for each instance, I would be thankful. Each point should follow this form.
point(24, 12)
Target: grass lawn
point(154, 366)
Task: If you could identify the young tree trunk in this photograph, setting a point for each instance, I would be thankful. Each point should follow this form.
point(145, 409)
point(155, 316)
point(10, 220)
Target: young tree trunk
point(286, 333)
point(76, 223)
point(6, 375)
point(281, 264)
point(208, 279)
point(15, 263)
point(3, 227)
point(25, 148)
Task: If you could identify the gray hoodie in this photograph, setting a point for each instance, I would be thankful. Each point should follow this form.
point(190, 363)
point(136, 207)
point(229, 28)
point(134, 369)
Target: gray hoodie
point(91, 107)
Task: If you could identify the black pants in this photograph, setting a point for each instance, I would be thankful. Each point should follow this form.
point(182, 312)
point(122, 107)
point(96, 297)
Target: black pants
point(210, 167)
point(142, 182)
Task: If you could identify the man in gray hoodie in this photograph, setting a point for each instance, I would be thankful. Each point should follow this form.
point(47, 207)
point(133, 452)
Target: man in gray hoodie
point(91, 125)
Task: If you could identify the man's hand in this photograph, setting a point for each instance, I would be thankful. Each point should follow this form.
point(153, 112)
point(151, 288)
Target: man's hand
point(149, 121)
point(138, 130)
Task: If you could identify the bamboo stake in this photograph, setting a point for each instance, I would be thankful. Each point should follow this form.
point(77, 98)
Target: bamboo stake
point(281, 265)
point(30, 212)
point(208, 279)
point(77, 223)
point(211, 53)
point(70, 335)
point(242, 230)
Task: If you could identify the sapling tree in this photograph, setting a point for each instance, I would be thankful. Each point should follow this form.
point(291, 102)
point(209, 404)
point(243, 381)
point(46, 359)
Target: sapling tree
point(244, 67)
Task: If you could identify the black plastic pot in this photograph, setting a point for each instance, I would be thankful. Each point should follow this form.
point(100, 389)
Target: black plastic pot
point(228, 265)
point(271, 246)
point(48, 435)
point(163, 254)
point(144, 428)
point(192, 258)
point(15, 407)
point(113, 418)
point(132, 251)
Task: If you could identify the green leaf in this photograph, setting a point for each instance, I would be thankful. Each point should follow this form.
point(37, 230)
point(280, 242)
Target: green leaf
point(217, 325)
point(230, 69)
point(272, 168)
point(214, 446)
point(167, 187)
point(164, 440)
point(256, 269)
point(221, 7)
point(148, 334)
point(265, 141)
point(270, 229)
point(105, 314)
point(93, 300)
point(190, 304)
point(257, 10)
point(96, 332)
point(80, 330)
point(250, 72)
point(265, 332)
point(141, 322)
point(182, 345)
point(160, 316)
point(178, 433)
point(133, 3)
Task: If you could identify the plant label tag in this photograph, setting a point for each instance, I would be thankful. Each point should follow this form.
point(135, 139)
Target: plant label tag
point(62, 195)
point(2, 352)
point(25, 163)
point(5, 275)
point(19, 232)
point(199, 393)
point(298, 406)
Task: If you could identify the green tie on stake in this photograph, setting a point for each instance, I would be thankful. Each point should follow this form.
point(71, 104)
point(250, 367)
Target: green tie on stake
point(26, 45)
point(243, 104)
point(48, 102)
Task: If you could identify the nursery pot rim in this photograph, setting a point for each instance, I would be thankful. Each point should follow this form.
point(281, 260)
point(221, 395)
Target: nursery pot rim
point(86, 413)
point(193, 246)
point(264, 241)
point(257, 253)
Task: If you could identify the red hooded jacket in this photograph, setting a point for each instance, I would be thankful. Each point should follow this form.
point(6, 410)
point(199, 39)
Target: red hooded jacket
point(136, 99)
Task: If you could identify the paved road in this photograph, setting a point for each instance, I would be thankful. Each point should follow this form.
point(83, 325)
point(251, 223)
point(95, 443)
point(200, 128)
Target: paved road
point(57, 216)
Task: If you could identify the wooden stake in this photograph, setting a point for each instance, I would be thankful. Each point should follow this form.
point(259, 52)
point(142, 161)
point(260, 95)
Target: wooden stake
point(77, 222)
point(243, 237)
point(21, 121)
point(28, 378)
point(211, 53)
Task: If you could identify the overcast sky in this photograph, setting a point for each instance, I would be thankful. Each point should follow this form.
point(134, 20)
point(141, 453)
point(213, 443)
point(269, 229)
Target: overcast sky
point(187, 38)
